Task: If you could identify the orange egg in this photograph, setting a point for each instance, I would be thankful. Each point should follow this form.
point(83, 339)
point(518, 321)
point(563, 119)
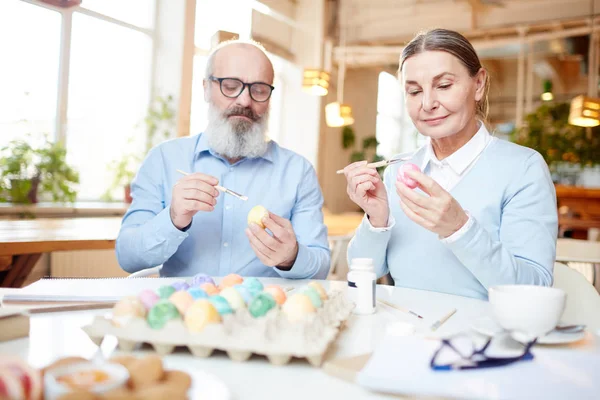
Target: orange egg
point(277, 293)
point(231, 280)
point(209, 288)
point(182, 300)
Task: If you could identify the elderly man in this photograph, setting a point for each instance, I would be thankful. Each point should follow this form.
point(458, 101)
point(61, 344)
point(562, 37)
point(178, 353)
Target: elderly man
point(186, 224)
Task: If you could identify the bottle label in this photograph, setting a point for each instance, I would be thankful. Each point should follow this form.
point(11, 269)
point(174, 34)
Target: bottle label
point(374, 290)
point(351, 284)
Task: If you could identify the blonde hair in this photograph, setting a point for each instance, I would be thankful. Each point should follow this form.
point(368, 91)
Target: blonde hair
point(456, 44)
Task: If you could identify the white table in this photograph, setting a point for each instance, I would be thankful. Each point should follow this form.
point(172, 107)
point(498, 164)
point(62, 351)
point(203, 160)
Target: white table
point(57, 335)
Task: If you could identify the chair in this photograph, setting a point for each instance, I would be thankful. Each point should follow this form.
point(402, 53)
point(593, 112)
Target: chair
point(338, 246)
point(581, 255)
point(146, 272)
point(583, 301)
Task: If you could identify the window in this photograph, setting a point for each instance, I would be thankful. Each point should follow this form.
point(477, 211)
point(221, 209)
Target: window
point(29, 71)
point(109, 82)
point(395, 130)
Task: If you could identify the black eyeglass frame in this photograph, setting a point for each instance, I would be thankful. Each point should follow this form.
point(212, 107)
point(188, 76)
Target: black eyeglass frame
point(477, 359)
point(244, 84)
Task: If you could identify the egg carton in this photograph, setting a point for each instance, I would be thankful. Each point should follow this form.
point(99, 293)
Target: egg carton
point(239, 334)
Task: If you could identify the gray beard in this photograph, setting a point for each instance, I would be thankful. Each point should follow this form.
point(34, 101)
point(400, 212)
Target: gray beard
point(237, 139)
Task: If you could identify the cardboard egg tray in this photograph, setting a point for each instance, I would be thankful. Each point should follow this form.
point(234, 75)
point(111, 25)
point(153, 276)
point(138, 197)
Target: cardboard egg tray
point(239, 335)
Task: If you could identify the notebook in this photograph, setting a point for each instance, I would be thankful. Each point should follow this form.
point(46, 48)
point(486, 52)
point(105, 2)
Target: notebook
point(84, 290)
point(400, 365)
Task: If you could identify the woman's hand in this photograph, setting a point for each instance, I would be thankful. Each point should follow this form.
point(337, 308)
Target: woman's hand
point(439, 212)
point(366, 189)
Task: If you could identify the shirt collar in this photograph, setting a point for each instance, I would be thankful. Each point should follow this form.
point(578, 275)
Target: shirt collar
point(460, 160)
point(202, 147)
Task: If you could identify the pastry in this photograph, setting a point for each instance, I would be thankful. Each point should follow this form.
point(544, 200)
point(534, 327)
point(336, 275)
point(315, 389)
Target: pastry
point(221, 304)
point(162, 312)
point(297, 307)
point(182, 300)
point(256, 215)
point(231, 280)
point(145, 371)
point(200, 314)
point(277, 293)
point(18, 380)
point(261, 304)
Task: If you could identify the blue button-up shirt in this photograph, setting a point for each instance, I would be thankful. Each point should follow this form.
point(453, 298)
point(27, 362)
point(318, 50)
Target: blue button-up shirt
point(215, 243)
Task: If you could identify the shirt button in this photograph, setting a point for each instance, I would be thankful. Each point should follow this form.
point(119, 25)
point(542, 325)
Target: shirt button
point(231, 169)
point(225, 244)
point(228, 207)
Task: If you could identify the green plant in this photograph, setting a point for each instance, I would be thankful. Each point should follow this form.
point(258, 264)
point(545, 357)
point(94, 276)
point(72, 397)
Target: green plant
point(548, 131)
point(26, 170)
point(368, 151)
point(159, 125)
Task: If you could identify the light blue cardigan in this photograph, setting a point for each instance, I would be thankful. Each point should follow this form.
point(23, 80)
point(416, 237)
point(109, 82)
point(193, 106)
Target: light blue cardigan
point(512, 199)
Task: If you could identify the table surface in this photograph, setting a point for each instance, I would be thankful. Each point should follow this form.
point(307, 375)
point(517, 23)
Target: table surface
point(57, 335)
point(42, 235)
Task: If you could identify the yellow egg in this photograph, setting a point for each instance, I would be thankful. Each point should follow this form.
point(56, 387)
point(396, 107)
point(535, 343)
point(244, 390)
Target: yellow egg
point(297, 307)
point(256, 216)
point(319, 288)
point(182, 300)
point(234, 298)
point(200, 314)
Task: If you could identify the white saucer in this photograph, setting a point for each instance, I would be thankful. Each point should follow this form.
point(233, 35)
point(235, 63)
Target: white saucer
point(207, 386)
point(488, 327)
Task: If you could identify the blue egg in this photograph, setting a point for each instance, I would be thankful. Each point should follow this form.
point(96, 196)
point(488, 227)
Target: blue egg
point(313, 295)
point(245, 292)
point(221, 304)
point(253, 284)
point(197, 293)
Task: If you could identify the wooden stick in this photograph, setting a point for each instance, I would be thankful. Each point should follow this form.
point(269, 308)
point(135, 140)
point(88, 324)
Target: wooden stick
point(441, 321)
point(378, 164)
point(222, 189)
point(400, 308)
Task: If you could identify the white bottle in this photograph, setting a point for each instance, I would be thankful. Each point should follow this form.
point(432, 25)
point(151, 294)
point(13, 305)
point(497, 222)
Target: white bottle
point(361, 285)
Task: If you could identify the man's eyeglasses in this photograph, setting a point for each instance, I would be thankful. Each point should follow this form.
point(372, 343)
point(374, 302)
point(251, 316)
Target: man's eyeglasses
point(233, 87)
point(462, 353)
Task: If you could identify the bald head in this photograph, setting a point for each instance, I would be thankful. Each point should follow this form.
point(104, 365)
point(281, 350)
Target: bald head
point(244, 60)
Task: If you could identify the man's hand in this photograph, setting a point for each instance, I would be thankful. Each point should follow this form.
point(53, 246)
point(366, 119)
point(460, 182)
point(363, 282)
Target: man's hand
point(192, 193)
point(279, 250)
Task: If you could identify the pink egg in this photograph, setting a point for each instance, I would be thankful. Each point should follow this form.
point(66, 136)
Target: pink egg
point(404, 178)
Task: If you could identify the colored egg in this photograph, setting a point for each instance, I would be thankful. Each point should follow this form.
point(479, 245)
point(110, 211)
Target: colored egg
point(277, 293)
point(313, 295)
point(148, 298)
point(221, 304)
point(231, 280)
point(200, 279)
point(319, 288)
point(164, 292)
point(182, 300)
point(200, 314)
point(180, 285)
point(126, 309)
point(234, 298)
point(261, 304)
point(297, 307)
point(403, 176)
point(209, 288)
point(253, 284)
point(197, 293)
point(245, 292)
point(162, 312)
point(256, 215)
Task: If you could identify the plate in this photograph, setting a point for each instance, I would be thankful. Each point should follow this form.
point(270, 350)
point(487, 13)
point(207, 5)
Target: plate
point(488, 327)
point(207, 386)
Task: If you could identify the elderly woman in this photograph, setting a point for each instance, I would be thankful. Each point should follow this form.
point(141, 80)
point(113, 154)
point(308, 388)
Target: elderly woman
point(484, 210)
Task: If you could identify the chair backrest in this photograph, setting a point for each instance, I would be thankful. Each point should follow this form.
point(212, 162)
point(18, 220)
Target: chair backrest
point(583, 301)
point(577, 250)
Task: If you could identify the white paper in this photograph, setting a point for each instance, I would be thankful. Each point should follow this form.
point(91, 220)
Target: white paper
point(401, 365)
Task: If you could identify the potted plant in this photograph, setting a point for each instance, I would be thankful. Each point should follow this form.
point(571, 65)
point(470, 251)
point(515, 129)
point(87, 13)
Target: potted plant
point(567, 149)
point(160, 125)
point(27, 171)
